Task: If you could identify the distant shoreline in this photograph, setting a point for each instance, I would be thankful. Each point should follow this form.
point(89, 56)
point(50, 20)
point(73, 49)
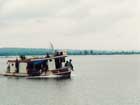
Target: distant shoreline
point(41, 51)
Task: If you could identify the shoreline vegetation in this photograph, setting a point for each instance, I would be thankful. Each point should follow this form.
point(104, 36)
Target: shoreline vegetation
point(43, 51)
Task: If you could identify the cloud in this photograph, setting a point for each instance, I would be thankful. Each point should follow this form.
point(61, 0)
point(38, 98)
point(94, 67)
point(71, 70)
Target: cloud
point(94, 24)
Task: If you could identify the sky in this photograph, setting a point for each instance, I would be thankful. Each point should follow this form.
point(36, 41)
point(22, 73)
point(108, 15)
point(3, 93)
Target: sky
point(70, 24)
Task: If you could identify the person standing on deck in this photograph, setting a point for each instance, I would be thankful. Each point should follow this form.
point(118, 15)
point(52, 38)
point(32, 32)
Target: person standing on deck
point(67, 64)
point(57, 61)
point(45, 66)
point(70, 64)
point(8, 68)
point(17, 66)
point(47, 55)
point(62, 59)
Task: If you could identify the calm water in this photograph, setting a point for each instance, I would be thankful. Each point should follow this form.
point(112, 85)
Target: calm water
point(97, 80)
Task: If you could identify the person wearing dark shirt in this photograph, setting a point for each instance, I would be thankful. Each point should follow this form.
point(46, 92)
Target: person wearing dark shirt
point(70, 64)
point(57, 61)
point(17, 66)
point(66, 64)
point(47, 55)
point(63, 58)
point(8, 68)
point(45, 66)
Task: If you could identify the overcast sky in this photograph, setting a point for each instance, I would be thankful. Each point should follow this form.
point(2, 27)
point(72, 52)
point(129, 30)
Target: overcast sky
point(76, 24)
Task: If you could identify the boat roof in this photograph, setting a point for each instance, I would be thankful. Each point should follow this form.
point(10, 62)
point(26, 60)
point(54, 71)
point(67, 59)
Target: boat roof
point(37, 59)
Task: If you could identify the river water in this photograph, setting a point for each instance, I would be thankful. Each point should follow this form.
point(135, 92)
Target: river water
point(97, 80)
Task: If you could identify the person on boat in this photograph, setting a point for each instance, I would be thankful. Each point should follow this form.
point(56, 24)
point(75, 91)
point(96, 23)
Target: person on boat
point(29, 68)
point(17, 66)
point(44, 66)
point(57, 60)
point(47, 55)
point(67, 64)
point(62, 59)
point(8, 68)
point(70, 64)
point(37, 69)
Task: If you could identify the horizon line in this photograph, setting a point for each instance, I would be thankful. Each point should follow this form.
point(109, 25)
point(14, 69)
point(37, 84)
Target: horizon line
point(74, 49)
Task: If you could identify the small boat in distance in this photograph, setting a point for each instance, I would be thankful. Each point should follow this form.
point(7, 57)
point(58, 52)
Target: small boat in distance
point(54, 66)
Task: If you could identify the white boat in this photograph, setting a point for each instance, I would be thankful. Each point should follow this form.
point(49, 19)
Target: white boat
point(35, 68)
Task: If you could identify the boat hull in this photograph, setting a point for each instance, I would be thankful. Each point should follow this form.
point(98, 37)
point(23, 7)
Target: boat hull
point(59, 73)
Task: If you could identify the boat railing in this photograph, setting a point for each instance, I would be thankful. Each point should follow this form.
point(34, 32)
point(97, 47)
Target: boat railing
point(37, 59)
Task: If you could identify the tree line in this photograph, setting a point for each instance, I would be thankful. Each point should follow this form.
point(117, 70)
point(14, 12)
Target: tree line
point(42, 51)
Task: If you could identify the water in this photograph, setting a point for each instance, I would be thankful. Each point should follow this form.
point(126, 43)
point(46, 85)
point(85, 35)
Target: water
point(97, 80)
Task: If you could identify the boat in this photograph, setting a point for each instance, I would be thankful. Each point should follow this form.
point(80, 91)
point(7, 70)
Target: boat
point(53, 66)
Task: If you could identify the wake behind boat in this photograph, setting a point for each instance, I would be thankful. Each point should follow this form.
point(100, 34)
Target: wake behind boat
point(54, 66)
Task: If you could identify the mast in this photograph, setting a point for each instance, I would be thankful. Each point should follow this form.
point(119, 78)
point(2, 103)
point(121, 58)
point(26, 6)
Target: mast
point(52, 48)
